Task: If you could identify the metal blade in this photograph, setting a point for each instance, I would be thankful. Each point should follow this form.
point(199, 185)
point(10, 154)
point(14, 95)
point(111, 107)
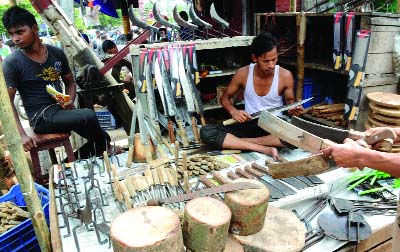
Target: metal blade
point(214, 190)
point(303, 167)
point(290, 133)
point(333, 134)
point(283, 108)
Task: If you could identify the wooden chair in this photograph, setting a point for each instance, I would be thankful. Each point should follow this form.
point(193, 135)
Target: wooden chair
point(49, 142)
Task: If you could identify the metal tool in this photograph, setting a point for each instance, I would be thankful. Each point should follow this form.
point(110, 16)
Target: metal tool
point(272, 110)
point(205, 192)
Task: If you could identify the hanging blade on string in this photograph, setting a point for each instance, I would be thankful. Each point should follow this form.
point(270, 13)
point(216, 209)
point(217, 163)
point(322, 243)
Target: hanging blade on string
point(139, 23)
point(272, 110)
point(205, 192)
point(161, 20)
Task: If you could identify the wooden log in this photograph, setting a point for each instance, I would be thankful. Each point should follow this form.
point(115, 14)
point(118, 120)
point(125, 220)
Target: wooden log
point(150, 229)
point(205, 225)
point(282, 231)
point(248, 208)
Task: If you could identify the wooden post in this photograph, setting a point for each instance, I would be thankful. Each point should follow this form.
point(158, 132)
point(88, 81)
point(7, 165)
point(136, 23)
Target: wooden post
point(22, 169)
point(301, 35)
point(398, 6)
point(293, 5)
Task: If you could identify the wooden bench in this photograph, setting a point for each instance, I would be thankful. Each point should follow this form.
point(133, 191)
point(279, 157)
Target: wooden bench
point(49, 142)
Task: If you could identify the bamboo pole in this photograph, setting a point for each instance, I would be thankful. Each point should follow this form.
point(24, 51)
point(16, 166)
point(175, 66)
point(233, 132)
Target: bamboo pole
point(22, 169)
point(301, 36)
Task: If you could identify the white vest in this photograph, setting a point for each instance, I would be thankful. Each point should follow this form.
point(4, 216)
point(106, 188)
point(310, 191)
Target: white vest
point(253, 102)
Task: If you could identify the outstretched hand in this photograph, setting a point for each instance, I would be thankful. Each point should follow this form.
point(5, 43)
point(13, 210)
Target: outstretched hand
point(347, 154)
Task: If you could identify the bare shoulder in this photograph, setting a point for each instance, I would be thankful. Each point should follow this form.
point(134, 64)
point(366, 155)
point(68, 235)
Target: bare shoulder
point(285, 74)
point(240, 76)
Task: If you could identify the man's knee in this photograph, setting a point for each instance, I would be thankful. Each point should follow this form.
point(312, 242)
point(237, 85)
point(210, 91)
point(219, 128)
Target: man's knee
point(212, 135)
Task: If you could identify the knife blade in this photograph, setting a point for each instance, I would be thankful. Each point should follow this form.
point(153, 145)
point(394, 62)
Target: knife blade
point(205, 192)
point(272, 110)
point(339, 135)
point(292, 134)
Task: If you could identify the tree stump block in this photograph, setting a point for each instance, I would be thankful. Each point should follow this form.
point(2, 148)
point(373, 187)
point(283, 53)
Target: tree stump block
point(150, 229)
point(205, 225)
point(282, 231)
point(248, 208)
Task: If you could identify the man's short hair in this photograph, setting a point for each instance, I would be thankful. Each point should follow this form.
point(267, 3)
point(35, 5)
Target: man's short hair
point(17, 17)
point(108, 44)
point(263, 43)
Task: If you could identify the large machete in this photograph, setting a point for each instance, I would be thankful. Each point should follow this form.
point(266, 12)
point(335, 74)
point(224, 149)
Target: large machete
point(339, 135)
point(205, 192)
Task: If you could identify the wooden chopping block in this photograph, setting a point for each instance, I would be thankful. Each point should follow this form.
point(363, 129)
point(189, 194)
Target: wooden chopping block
point(377, 123)
point(248, 208)
point(205, 225)
point(393, 112)
point(384, 118)
point(384, 99)
point(282, 231)
point(232, 245)
point(150, 229)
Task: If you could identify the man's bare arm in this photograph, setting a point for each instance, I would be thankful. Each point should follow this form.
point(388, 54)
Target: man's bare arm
point(70, 89)
point(27, 141)
point(236, 84)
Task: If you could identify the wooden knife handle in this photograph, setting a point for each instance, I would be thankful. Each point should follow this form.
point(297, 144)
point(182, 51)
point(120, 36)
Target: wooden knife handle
point(220, 178)
point(229, 122)
point(206, 181)
point(253, 171)
point(244, 174)
point(232, 175)
point(260, 168)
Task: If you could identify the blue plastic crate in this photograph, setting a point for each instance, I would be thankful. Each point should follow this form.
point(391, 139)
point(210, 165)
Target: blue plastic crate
point(106, 119)
point(22, 237)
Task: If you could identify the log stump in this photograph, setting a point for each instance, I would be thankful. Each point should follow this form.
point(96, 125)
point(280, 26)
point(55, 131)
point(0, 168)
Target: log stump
point(248, 208)
point(282, 231)
point(150, 229)
point(205, 225)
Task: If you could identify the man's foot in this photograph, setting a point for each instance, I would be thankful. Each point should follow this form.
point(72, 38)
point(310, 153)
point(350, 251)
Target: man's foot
point(270, 151)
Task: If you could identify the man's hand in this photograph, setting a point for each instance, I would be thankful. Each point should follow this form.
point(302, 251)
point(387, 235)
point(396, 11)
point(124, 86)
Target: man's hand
point(68, 105)
point(346, 154)
point(297, 111)
point(28, 142)
point(240, 116)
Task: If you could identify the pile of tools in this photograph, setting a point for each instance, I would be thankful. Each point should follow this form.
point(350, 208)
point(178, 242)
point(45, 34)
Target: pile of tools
point(10, 216)
point(331, 112)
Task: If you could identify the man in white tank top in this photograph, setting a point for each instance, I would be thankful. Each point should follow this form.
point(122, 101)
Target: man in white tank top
point(265, 85)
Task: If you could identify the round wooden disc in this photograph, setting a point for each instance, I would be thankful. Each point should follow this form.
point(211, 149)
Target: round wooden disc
point(282, 231)
point(384, 118)
point(385, 99)
point(384, 110)
point(209, 211)
point(377, 123)
point(145, 226)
